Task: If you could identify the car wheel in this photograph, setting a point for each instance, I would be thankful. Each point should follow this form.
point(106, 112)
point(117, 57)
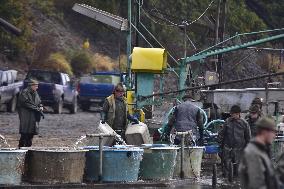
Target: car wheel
point(74, 106)
point(11, 106)
point(58, 107)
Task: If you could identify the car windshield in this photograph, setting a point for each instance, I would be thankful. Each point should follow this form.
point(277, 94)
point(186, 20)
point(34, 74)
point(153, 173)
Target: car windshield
point(108, 79)
point(46, 77)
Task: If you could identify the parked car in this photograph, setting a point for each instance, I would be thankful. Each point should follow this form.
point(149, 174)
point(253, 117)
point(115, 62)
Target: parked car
point(93, 89)
point(55, 89)
point(9, 89)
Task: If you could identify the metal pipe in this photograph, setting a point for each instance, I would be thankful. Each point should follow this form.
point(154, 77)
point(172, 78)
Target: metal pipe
point(101, 158)
point(213, 85)
point(182, 156)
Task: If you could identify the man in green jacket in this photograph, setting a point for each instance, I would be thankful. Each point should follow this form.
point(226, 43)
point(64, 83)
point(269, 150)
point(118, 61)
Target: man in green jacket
point(29, 109)
point(256, 169)
point(115, 112)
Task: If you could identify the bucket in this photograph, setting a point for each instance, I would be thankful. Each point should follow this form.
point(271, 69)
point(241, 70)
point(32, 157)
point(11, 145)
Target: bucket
point(50, 166)
point(11, 166)
point(119, 164)
point(192, 162)
point(277, 148)
point(158, 163)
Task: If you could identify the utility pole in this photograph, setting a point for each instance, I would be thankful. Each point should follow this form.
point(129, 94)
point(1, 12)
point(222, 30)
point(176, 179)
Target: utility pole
point(129, 44)
point(223, 26)
point(137, 22)
point(217, 25)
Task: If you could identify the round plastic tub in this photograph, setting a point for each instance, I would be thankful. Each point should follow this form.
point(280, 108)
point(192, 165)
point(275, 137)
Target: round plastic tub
point(11, 166)
point(55, 165)
point(192, 162)
point(158, 163)
point(119, 164)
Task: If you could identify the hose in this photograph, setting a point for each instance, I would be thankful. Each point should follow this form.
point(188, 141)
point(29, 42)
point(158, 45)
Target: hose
point(214, 121)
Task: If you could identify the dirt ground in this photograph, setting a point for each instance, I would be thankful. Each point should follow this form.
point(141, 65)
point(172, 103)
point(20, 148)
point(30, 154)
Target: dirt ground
point(55, 130)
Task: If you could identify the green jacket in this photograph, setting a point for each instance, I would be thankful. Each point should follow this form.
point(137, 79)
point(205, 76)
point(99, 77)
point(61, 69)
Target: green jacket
point(109, 108)
point(28, 107)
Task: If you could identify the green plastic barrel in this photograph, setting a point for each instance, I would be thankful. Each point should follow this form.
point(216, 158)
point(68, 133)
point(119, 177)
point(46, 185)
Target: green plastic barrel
point(158, 163)
point(192, 162)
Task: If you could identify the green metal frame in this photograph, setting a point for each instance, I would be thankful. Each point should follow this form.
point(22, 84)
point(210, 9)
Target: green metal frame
point(211, 52)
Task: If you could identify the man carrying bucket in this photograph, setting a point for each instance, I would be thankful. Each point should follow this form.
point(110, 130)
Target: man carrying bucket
point(256, 169)
point(30, 112)
point(115, 112)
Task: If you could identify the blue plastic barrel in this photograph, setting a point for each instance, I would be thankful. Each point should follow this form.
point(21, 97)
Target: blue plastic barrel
point(119, 164)
point(212, 149)
point(11, 166)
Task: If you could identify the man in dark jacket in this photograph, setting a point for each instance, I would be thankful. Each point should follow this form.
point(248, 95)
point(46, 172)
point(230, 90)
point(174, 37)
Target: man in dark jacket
point(187, 117)
point(252, 117)
point(233, 138)
point(29, 109)
point(115, 112)
point(256, 169)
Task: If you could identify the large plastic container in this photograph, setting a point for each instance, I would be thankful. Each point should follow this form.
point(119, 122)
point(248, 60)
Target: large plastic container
point(119, 164)
point(11, 166)
point(277, 148)
point(52, 166)
point(138, 134)
point(158, 163)
point(192, 162)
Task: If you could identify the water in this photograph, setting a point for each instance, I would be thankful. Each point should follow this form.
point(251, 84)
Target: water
point(119, 140)
point(3, 142)
point(80, 141)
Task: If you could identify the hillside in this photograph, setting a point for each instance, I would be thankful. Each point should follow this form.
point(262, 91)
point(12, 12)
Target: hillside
point(50, 26)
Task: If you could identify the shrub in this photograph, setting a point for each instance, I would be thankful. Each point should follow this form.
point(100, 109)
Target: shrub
point(58, 62)
point(81, 63)
point(103, 63)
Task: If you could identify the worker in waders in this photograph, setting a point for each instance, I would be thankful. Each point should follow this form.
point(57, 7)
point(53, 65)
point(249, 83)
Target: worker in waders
point(187, 117)
point(115, 112)
point(30, 113)
point(233, 138)
point(256, 169)
point(253, 116)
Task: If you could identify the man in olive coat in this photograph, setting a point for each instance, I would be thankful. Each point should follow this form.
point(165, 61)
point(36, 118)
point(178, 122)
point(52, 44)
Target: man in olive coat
point(256, 169)
point(29, 109)
point(115, 112)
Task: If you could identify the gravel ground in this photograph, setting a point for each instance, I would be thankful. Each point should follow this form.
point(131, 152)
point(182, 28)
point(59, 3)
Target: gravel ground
point(55, 130)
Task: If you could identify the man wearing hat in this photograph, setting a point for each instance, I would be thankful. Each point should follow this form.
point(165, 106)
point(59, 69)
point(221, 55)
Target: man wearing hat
point(233, 138)
point(187, 117)
point(115, 112)
point(252, 117)
point(257, 101)
point(256, 169)
point(29, 108)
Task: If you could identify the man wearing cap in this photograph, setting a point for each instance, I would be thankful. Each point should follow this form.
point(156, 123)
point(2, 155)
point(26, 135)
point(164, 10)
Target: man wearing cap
point(187, 117)
point(256, 169)
point(257, 101)
point(233, 138)
point(115, 112)
point(252, 117)
point(29, 108)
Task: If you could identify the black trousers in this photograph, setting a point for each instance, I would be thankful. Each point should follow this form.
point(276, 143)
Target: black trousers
point(26, 140)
